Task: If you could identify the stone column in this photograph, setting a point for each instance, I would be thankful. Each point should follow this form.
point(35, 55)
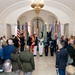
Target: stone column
point(29, 27)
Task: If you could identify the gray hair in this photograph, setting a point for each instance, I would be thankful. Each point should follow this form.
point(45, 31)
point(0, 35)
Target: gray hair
point(7, 66)
point(60, 44)
point(70, 69)
point(26, 47)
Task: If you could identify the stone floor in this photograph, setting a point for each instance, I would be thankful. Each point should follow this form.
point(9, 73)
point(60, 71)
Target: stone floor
point(44, 65)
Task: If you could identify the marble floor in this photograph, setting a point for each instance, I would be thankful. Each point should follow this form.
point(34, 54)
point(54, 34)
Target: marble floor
point(44, 65)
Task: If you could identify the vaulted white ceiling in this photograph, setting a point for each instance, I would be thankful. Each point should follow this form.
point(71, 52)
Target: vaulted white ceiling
point(12, 9)
point(4, 4)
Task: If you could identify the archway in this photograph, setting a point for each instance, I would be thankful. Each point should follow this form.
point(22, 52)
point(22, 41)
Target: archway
point(38, 23)
point(64, 14)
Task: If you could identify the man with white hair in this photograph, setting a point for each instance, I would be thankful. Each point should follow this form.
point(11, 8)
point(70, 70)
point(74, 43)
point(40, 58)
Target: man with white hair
point(8, 50)
point(7, 67)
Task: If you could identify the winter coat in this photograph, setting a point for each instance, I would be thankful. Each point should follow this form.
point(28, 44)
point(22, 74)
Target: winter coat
point(71, 51)
point(27, 61)
point(7, 51)
point(61, 58)
point(15, 62)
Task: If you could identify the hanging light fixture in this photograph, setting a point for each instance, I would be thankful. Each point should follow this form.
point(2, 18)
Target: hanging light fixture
point(37, 5)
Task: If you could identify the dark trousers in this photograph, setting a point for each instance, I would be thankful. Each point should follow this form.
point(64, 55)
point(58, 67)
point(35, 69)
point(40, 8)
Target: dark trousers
point(61, 72)
point(73, 61)
point(22, 48)
point(46, 50)
point(51, 51)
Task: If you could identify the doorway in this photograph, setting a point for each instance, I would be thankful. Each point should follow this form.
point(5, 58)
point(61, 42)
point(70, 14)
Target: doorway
point(38, 25)
point(66, 29)
point(8, 30)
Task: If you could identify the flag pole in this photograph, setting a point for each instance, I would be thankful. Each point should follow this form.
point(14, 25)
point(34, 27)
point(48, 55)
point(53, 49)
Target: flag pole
point(18, 34)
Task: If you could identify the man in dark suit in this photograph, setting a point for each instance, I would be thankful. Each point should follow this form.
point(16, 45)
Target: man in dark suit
point(53, 46)
point(22, 41)
point(29, 42)
point(61, 59)
point(15, 41)
point(46, 48)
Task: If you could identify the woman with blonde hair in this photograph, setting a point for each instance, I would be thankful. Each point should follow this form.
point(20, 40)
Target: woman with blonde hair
point(70, 70)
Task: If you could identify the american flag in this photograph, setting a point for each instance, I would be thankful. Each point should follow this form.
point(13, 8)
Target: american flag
point(18, 32)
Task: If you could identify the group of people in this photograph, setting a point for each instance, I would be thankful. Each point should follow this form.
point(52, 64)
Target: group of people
point(65, 56)
point(22, 58)
point(16, 62)
point(39, 45)
point(23, 61)
point(35, 45)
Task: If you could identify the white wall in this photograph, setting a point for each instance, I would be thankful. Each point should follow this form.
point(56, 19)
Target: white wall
point(23, 20)
point(2, 29)
point(45, 15)
point(72, 29)
point(13, 29)
point(62, 12)
point(51, 19)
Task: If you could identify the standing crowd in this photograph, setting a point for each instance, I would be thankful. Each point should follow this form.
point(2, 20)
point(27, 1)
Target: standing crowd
point(15, 58)
point(65, 56)
point(20, 57)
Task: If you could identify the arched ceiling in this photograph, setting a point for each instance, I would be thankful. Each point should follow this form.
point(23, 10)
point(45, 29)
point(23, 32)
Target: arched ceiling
point(32, 15)
point(7, 3)
point(13, 9)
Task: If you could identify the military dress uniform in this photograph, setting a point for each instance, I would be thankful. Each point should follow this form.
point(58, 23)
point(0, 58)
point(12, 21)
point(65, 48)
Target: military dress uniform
point(46, 48)
point(51, 48)
point(35, 47)
point(32, 47)
point(41, 46)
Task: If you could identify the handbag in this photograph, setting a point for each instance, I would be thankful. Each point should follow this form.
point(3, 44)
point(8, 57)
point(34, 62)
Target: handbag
point(70, 60)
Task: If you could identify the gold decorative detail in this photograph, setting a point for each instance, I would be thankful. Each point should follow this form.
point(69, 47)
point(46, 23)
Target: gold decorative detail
point(37, 6)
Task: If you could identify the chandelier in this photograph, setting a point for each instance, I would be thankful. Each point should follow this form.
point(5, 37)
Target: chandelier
point(37, 5)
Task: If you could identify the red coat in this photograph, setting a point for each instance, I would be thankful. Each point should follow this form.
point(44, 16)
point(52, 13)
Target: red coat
point(32, 46)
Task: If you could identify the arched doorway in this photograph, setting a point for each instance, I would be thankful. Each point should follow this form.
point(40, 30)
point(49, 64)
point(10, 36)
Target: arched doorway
point(38, 23)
